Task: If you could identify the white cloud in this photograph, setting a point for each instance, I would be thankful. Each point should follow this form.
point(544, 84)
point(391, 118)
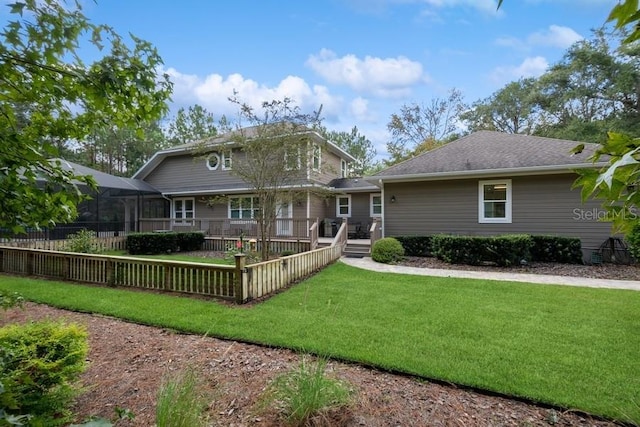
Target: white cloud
point(360, 110)
point(554, 36)
point(214, 90)
point(530, 67)
point(388, 77)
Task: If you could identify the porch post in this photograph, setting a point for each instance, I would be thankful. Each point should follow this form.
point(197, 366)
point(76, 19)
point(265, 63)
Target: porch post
point(239, 279)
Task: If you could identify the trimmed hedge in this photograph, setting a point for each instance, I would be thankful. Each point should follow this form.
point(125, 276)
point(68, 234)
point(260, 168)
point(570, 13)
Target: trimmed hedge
point(387, 251)
point(504, 250)
point(415, 245)
point(567, 250)
point(560, 249)
point(160, 243)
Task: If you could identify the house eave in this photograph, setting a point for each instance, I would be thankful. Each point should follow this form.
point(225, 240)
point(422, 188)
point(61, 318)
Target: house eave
point(483, 173)
point(226, 191)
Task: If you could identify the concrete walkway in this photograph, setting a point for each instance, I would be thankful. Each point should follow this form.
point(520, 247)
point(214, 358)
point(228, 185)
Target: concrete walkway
point(368, 264)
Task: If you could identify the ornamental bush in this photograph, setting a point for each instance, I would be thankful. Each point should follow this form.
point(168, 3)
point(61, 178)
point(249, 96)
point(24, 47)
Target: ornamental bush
point(566, 250)
point(387, 251)
point(415, 245)
point(39, 363)
point(83, 241)
point(504, 250)
point(633, 240)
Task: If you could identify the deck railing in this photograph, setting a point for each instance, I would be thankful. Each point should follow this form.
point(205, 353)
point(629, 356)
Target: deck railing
point(282, 228)
point(375, 232)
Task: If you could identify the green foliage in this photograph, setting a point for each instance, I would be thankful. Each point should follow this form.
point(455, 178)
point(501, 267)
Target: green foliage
point(504, 251)
point(616, 182)
point(40, 362)
point(567, 250)
point(387, 250)
point(51, 96)
point(191, 125)
point(181, 401)
point(84, 241)
point(287, 253)
point(421, 127)
point(10, 299)
point(162, 243)
point(633, 239)
point(415, 245)
point(152, 243)
point(357, 145)
point(190, 241)
point(306, 392)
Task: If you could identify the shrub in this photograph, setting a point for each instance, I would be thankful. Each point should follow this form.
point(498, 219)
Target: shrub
point(387, 250)
point(504, 250)
point(306, 392)
point(151, 243)
point(633, 240)
point(180, 401)
point(83, 241)
point(287, 253)
point(191, 241)
point(415, 245)
point(566, 250)
point(39, 363)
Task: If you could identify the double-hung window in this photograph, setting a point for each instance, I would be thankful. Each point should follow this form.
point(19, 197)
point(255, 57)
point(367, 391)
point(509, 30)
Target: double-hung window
point(376, 205)
point(316, 157)
point(343, 206)
point(343, 169)
point(184, 210)
point(246, 207)
point(494, 202)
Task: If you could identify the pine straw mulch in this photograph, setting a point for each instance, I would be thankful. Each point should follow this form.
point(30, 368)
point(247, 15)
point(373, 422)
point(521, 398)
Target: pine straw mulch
point(127, 363)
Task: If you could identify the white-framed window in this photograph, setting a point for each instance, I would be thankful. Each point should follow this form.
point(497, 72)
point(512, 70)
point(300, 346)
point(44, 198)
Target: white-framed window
point(292, 158)
point(213, 161)
point(343, 168)
point(183, 210)
point(244, 207)
point(343, 206)
point(375, 205)
point(494, 201)
point(316, 157)
point(227, 160)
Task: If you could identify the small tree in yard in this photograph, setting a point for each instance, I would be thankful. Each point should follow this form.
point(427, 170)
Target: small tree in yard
point(275, 151)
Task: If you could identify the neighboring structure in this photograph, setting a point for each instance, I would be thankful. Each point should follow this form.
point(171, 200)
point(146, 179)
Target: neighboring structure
point(198, 182)
point(490, 183)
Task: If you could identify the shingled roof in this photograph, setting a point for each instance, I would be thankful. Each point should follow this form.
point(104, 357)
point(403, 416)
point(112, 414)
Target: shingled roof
point(488, 152)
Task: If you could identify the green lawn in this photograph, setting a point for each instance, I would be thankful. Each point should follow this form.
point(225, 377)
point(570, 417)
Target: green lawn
point(568, 346)
point(175, 257)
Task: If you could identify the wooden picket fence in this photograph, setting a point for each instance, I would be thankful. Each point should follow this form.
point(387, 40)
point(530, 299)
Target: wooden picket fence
point(104, 244)
point(239, 282)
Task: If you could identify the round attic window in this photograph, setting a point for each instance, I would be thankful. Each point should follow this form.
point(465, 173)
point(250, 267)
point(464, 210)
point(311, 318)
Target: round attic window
point(213, 161)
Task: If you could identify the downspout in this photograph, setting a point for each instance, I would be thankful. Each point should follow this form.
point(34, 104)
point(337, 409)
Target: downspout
point(383, 216)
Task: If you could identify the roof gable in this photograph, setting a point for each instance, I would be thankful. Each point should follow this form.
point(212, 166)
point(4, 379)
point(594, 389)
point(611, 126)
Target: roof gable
point(225, 139)
point(489, 151)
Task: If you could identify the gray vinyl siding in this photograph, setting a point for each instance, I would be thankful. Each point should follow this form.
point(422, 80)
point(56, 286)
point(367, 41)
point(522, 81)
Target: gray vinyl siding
point(329, 167)
point(540, 205)
point(360, 210)
point(184, 173)
point(317, 207)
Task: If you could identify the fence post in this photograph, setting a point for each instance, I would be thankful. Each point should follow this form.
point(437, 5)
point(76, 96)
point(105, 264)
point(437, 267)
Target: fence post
point(1, 260)
point(240, 272)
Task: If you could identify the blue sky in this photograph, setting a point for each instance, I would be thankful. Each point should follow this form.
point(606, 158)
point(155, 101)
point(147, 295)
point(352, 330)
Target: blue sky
point(360, 59)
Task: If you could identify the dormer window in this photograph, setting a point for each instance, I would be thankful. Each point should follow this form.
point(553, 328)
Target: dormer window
point(217, 160)
point(213, 161)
